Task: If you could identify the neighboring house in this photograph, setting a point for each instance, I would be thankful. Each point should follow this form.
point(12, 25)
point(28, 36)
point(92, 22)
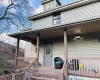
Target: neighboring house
point(8, 49)
point(71, 32)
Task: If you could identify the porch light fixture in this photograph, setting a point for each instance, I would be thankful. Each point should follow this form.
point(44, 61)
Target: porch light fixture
point(77, 37)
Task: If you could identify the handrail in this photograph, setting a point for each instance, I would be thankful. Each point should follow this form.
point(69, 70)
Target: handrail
point(65, 70)
point(23, 62)
point(14, 76)
point(82, 58)
point(25, 58)
point(31, 69)
point(31, 64)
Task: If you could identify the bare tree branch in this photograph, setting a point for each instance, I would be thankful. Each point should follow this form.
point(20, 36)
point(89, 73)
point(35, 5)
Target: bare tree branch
point(8, 17)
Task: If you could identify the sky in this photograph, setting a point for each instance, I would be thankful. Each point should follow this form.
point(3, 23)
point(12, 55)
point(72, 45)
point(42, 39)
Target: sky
point(37, 7)
point(64, 2)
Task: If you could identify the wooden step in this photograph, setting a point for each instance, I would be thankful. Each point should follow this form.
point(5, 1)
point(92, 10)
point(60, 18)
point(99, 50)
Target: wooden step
point(45, 75)
point(41, 78)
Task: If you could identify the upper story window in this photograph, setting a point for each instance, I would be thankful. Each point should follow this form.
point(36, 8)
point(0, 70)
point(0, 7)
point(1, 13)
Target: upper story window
point(47, 6)
point(56, 19)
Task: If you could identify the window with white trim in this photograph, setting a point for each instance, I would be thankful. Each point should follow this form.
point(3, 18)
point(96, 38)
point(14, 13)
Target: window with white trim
point(56, 19)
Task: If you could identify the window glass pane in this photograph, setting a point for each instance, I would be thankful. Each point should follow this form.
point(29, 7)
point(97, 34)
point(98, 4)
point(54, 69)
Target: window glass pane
point(58, 21)
point(47, 49)
point(55, 21)
point(54, 17)
point(58, 17)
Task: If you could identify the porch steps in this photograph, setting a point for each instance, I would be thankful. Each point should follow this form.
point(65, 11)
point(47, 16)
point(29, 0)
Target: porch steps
point(44, 76)
point(41, 78)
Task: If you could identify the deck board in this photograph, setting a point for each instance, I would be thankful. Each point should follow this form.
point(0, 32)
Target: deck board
point(49, 70)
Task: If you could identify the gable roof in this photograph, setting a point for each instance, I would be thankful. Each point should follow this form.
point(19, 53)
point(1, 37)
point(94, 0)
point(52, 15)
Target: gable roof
point(62, 8)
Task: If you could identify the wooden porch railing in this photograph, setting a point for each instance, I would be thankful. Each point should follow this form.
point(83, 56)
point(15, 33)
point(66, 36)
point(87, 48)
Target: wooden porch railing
point(7, 77)
point(15, 76)
point(64, 73)
point(32, 68)
point(23, 62)
point(88, 67)
point(18, 76)
point(65, 70)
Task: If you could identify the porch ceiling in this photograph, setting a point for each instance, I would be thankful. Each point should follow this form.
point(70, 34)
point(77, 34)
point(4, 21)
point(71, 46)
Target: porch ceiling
point(82, 27)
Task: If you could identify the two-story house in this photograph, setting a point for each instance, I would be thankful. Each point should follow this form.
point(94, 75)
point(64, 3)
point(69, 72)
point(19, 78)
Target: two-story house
point(71, 32)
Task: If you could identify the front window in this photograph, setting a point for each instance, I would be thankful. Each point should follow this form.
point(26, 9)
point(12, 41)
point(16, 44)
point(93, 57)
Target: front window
point(56, 19)
point(48, 51)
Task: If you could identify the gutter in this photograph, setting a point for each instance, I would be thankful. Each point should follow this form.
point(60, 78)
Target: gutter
point(62, 8)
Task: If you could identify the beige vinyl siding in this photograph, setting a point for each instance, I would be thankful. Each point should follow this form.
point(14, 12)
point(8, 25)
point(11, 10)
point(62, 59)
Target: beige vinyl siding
point(76, 48)
point(58, 50)
point(84, 48)
point(81, 13)
point(42, 23)
point(29, 50)
point(51, 4)
point(41, 54)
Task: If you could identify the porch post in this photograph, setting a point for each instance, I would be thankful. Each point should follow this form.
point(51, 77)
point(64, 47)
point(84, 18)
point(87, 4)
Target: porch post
point(37, 46)
point(66, 51)
point(17, 51)
point(65, 44)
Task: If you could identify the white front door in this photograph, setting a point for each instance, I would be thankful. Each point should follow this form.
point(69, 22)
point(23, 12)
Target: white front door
point(48, 60)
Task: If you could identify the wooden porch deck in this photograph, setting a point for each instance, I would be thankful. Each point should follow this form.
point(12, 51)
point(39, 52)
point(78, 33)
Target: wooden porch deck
point(47, 73)
point(49, 70)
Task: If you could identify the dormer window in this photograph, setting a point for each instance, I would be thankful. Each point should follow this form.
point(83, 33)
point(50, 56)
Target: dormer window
point(50, 4)
point(56, 19)
point(47, 6)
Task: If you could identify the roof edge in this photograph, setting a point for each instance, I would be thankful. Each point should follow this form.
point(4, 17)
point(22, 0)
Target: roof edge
point(68, 24)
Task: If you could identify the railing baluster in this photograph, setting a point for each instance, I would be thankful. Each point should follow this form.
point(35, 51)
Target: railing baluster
point(87, 67)
point(81, 67)
point(88, 70)
point(76, 65)
point(18, 76)
point(6, 77)
point(90, 62)
point(99, 67)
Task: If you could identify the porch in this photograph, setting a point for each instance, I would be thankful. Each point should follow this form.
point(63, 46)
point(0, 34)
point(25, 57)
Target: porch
point(90, 68)
point(87, 67)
